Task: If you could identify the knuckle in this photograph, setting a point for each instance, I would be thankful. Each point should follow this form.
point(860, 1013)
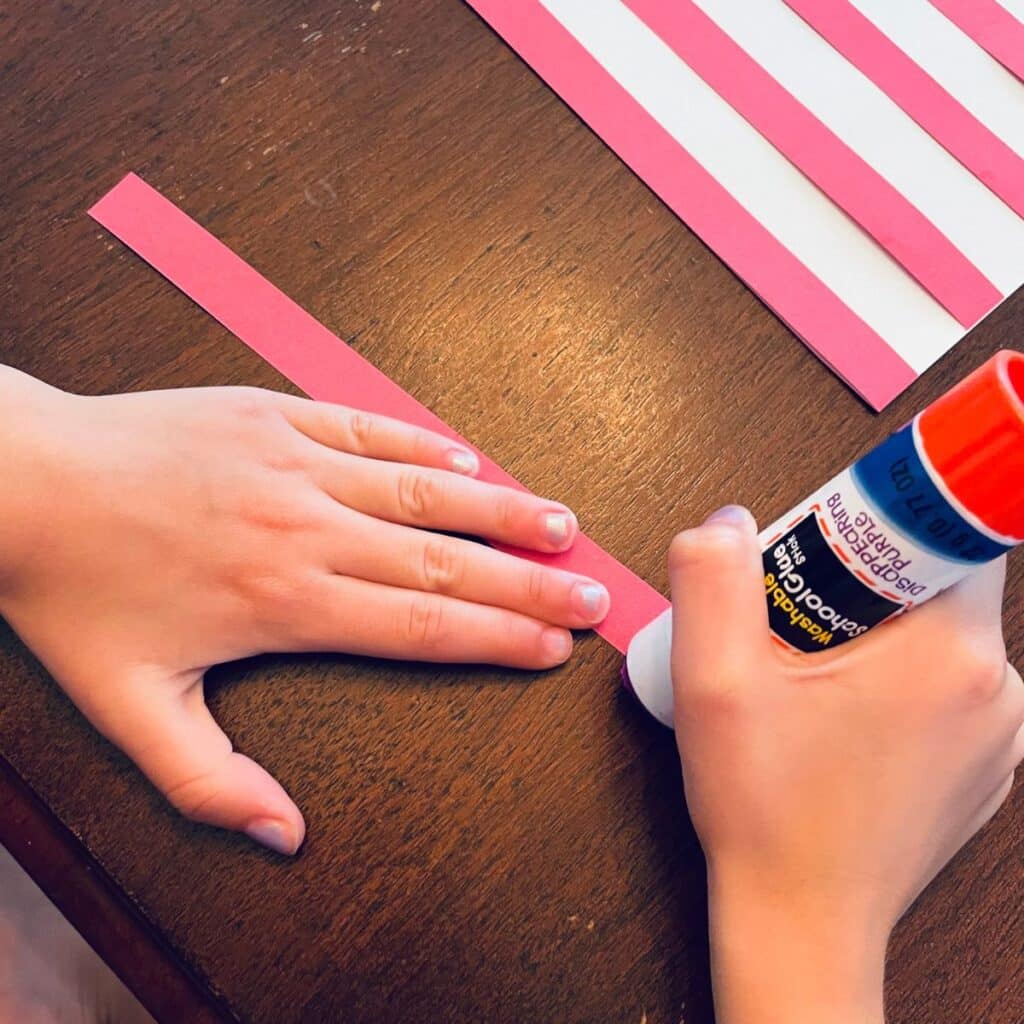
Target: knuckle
point(983, 672)
point(518, 637)
point(507, 511)
point(361, 431)
point(278, 519)
point(443, 567)
point(419, 495)
point(706, 546)
point(192, 797)
point(680, 549)
point(536, 583)
point(283, 459)
point(718, 697)
point(254, 404)
point(422, 444)
point(426, 623)
point(272, 597)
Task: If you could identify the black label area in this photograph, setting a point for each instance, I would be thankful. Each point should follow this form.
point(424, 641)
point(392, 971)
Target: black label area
point(814, 599)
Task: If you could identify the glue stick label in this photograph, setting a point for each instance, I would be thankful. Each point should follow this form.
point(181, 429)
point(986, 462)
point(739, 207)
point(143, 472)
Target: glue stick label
point(879, 538)
point(814, 600)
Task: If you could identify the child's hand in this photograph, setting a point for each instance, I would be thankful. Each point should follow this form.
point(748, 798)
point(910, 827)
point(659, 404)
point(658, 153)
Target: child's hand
point(146, 537)
point(829, 789)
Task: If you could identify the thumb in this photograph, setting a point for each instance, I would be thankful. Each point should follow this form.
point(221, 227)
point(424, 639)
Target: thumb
point(172, 737)
point(719, 612)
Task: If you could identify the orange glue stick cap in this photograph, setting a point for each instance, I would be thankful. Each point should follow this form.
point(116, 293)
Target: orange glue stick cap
point(973, 436)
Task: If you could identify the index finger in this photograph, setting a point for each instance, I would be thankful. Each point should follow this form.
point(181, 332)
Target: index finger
point(377, 437)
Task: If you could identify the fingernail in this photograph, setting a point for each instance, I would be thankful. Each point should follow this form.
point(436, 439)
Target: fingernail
point(464, 462)
point(275, 835)
point(590, 601)
point(557, 645)
point(559, 527)
point(730, 515)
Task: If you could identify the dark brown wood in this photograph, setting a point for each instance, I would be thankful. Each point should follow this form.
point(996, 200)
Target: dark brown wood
point(482, 845)
point(61, 866)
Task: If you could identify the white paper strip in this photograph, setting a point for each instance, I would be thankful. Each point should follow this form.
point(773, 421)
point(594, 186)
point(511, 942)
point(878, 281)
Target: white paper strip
point(984, 228)
point(1015, 7)
point(767, 185)
point(990, 92)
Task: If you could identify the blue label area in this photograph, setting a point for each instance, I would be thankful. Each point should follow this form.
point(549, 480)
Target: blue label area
point(896, 481)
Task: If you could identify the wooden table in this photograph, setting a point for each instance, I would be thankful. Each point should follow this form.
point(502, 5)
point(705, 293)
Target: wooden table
point(483, 846)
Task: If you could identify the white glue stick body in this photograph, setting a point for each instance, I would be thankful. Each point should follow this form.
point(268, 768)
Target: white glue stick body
point(929, 505)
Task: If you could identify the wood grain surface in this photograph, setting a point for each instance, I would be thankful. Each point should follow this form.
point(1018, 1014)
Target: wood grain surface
point(483, 845)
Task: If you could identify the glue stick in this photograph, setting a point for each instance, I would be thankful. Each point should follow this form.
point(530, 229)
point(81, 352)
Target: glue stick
point(922, 510)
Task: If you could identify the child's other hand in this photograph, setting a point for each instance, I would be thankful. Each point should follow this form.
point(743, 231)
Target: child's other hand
point(829, 789)
point(146, 537)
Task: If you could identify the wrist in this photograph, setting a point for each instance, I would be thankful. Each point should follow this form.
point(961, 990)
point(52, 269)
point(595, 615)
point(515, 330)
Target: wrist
point(29, 457)
point(783, 954)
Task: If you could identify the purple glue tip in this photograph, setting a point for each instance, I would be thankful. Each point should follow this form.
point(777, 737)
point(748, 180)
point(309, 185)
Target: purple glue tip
point(624, 676)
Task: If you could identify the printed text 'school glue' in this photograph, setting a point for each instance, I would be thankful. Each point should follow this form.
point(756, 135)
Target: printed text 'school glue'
point(919, 512)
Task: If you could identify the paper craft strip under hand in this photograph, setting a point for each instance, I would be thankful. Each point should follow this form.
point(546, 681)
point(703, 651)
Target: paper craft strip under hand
point(991, 26)
point(847, 179)
point(905, 82)
point(322, 365)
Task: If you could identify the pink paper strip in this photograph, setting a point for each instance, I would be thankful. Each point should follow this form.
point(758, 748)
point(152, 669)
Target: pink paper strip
point(908, 85)
point(844, 176)
point(827, 325)
point(991, 26)
point(321, 364)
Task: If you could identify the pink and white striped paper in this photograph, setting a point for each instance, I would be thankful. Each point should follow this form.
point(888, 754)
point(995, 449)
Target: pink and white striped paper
point(859, 163)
